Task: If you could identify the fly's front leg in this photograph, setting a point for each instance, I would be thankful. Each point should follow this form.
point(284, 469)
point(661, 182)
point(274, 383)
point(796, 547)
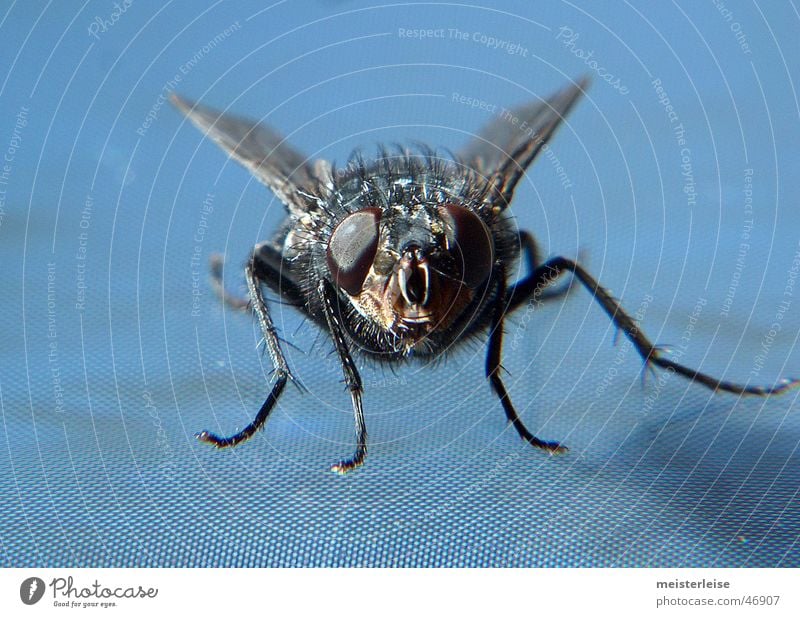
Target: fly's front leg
point(268, 267)
point(281, 372)
point(273, 271)
point(493, 367)
point(351, 379)
point(552, 269)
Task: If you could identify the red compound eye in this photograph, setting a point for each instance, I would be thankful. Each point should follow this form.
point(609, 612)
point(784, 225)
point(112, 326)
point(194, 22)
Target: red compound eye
point(352, 249)
point(471, 244)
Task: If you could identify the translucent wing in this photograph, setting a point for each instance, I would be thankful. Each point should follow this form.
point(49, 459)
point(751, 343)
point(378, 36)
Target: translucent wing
point(260, 149)
point(505, 147)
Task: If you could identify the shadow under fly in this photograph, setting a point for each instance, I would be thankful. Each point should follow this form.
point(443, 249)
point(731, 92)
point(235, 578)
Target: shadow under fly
point(409, 254)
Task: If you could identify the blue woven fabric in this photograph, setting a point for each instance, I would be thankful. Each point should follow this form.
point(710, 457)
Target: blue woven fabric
point(115, 351)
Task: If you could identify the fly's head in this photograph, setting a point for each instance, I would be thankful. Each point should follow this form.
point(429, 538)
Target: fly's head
point(412, 263)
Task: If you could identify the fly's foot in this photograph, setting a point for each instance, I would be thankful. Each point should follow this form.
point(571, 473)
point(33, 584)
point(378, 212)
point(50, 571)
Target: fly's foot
point(343, 467)
point(212, 439)
point(552, 447)
point(782, 386)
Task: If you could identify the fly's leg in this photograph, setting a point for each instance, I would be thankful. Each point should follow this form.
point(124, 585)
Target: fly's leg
point(351, 379)
point(281, 372)
point(533, 261)
point(272, 270)
point(238, 303)
point(268, 267)
point(494, 366)
point(553, 268)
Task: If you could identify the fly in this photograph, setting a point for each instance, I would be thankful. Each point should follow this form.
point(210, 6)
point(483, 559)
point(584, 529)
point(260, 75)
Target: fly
point(408, 255)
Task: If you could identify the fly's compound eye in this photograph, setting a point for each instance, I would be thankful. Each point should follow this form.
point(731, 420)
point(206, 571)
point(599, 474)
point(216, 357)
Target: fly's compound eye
point(352, 249)
point(471, 244)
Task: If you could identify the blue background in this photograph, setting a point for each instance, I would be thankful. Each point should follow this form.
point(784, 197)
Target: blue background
point(665, 474)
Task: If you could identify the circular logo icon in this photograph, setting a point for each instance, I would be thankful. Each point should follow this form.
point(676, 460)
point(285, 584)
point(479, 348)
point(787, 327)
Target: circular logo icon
point(31, 590)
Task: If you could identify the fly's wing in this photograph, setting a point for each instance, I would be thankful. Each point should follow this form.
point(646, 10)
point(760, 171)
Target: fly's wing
point(505, 147)
point(260, 149)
